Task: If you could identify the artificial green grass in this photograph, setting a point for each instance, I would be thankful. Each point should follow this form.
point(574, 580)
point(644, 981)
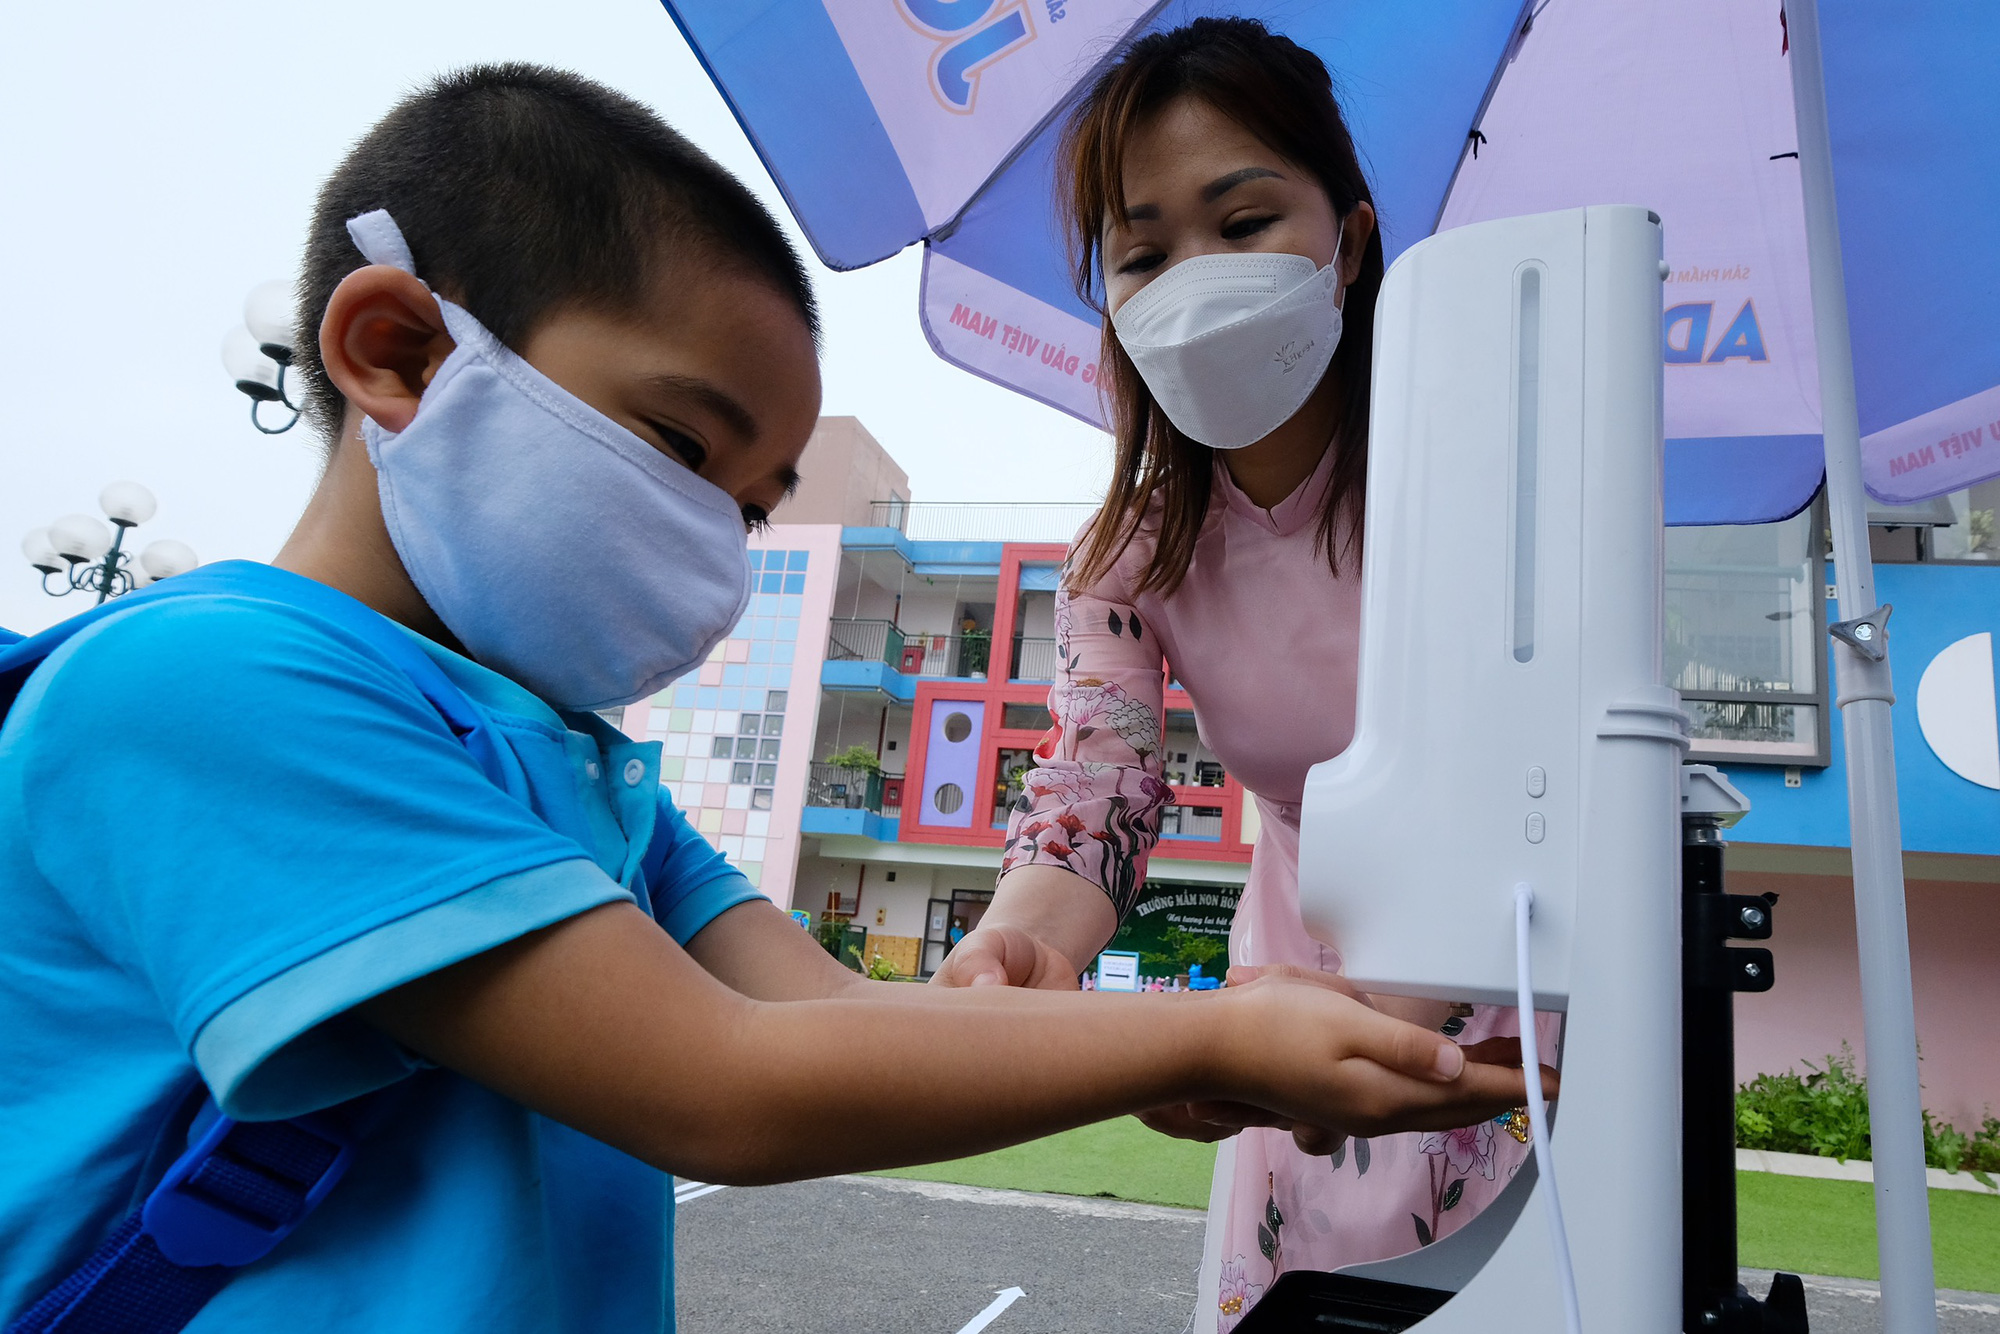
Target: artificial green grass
point(1810, 1226)
point(1121, 1159)
point(1800, 1224)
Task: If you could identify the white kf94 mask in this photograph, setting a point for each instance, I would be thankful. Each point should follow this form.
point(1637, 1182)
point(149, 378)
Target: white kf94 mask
point(560, 548)
point(1232, 345)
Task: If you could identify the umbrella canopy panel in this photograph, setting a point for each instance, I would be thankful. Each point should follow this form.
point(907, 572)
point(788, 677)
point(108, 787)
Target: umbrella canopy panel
point(1912, 105)
point(1684, 106)
point(998, 296)
point(935, 120)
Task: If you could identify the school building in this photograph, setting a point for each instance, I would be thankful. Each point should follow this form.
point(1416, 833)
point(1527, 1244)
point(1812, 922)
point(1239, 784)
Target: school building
point(856, 744)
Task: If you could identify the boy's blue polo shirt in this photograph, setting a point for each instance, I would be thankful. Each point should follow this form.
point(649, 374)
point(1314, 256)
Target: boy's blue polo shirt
point(225, 822)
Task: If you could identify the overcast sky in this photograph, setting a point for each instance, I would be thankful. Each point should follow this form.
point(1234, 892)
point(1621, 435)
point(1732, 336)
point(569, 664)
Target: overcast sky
point(160, 160)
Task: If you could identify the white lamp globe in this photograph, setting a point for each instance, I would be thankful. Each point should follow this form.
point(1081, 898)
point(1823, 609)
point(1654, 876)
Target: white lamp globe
point(255, 374)
point(78, 537)
point(41, 552)
point(137, 574)
point(267, 314)
point(127, 503)
point(166, 558)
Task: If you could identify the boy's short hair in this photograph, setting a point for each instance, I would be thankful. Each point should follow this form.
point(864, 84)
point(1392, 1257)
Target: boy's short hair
point(522, 189)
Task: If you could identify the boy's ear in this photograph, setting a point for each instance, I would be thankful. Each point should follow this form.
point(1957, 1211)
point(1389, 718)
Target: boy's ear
point(381, 341)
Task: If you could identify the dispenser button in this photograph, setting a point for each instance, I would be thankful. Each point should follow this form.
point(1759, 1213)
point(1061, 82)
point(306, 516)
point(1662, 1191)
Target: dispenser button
point(1537, 827)
point(1538, 781)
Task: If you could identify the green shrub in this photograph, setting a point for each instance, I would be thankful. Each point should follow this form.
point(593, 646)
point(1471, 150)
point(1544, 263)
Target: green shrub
point(1825, 1112)
point(1822, 1112)
point(1976, 1152)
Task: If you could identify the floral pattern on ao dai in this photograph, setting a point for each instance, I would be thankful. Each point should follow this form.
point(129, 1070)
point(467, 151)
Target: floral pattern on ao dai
point(1263, 636)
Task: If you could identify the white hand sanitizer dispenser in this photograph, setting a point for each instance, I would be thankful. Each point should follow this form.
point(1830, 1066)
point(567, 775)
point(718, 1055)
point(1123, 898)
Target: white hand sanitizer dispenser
point(1512, 729)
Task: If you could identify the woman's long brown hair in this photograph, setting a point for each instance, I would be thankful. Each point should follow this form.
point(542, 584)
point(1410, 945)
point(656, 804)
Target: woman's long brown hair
point(1281, 93)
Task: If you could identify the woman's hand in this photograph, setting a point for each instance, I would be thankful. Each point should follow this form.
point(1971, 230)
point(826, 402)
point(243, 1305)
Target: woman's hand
point(1008, 956)
point(1043, 926)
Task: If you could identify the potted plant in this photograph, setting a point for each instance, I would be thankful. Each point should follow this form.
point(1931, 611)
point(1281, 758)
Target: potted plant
point(862, 760)
point(856, 757)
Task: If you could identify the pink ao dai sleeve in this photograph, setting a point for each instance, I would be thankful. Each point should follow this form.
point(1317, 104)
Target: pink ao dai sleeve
point(1092, 802)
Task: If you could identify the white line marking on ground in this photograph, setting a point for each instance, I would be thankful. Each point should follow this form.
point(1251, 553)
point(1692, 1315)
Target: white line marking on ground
point(1006, 1298)
point(1078, 1205)
point(694, 1190)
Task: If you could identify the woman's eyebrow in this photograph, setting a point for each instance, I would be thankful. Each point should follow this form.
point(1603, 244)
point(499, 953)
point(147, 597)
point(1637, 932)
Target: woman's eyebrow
point(1211, 192)
point(1222, 185)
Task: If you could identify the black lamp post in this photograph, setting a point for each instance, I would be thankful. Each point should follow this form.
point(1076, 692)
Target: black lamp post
point(78, 554)
point(258, 352)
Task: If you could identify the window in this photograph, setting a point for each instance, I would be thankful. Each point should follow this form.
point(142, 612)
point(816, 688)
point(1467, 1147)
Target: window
point(1746, 630)
point(1196, 822)
point(1024, 717)
point(1010, 772)
point(1955, 527)
point(775, 701)
point(721, 748)
point(1184, 761)
point(774, 724)
point(760, 799)
point(767, 773)
point(746, 747)
point(740, 773)
point(769, 750)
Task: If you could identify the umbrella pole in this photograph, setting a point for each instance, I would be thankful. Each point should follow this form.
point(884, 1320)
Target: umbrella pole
point(1902, 1204)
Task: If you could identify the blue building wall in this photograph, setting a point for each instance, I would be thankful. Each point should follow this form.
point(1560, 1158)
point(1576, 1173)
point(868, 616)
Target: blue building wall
point(1935, 606)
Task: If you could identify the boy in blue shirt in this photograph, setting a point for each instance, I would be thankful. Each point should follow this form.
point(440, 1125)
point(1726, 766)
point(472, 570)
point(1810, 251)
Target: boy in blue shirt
point(340, 834)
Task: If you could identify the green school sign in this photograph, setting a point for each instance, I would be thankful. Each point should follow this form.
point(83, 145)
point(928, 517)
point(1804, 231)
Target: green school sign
point(1174, 925)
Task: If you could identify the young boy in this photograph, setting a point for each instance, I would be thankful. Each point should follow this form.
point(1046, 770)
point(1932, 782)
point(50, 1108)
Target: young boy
point(339, 835)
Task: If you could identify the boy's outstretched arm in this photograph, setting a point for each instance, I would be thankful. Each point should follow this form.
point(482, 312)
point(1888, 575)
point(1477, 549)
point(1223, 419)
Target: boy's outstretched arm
point(759, 951)
point(603, 1023)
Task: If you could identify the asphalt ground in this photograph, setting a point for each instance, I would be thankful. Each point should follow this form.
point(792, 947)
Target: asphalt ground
point(889, 1256)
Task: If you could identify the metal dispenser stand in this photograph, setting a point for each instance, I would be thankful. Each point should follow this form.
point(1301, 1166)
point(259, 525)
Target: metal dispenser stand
point(1712, 972)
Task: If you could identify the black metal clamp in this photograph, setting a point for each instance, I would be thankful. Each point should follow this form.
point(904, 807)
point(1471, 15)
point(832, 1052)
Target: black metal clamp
point(1867, 635)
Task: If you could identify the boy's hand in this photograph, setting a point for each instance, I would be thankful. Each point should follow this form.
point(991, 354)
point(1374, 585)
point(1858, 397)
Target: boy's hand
point(1208, 1122)
point(1327, 1065)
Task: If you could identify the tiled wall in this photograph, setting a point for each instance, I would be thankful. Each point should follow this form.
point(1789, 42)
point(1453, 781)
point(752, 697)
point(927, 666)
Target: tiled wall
point(737, 732)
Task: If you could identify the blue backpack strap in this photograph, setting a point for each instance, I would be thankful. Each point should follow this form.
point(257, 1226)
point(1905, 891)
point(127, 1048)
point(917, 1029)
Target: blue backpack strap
point(244, 1185)
point(230, 1199)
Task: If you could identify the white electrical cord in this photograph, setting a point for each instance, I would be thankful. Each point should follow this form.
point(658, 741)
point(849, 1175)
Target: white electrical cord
point(1538, 1119)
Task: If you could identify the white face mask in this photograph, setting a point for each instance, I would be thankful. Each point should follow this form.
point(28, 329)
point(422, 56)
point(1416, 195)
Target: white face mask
point(1232, 345)
point(561, 549)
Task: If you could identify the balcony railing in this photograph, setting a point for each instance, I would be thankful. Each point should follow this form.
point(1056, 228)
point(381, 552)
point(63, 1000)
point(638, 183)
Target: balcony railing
point(840, 788)
point(1034, 660)
point(975, 521)
point(864, 641)
point(1192, 822)
point(908, 652)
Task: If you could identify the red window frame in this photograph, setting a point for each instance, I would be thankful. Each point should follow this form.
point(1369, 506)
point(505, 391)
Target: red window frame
point(1230, 797)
